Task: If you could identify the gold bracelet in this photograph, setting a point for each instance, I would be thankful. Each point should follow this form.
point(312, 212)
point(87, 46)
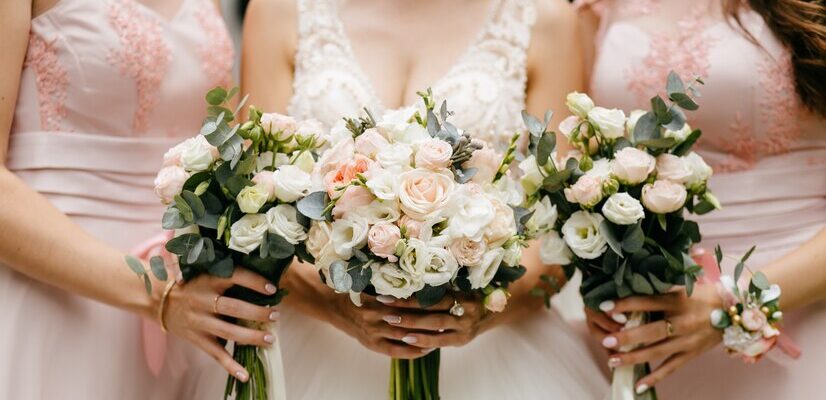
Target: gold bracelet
point(162, 307)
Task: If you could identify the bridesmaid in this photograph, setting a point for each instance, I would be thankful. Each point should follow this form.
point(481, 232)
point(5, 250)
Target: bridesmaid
point(762, 115)
point(92, 95)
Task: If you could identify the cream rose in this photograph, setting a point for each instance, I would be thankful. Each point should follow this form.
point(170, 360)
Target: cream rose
point(311, 128)
point(753, 319)
point(395, 156)
point(394, 123)
point(513, 254)
point(414, 257)
point(247, 233)
point(424, 193)
point(544, 216)
point(553, 250)
point(486, 161)
point(622, 209)
point(412, 227)
point(382, 239)
point(351, 201)
point(469, 214)
point(672, 168)
point(632, 166)
point(383, 183)
point(390, 280)
point(197, 154)
point(497, 300)
point(341, 152)
point(468, 252)
point(281, 127)
point(347, 235)
point(582, 235)
point(663, 196)
point(291, 183)
point(481, 275)
point(434, 154)
point(587, 191)
point(282, 220)
point(579, 104)
point(318, 239)
point(170, 182)
point(610, 123)
point(568, 125)
point(252, 198)
point(679, 135)
point(305, 162)
point(264, 179)
point(440, 267)
point(700, 171)
point(370, 142)
point(503, 225)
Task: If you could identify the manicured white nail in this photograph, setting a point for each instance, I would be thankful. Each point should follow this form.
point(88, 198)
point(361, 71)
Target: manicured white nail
point(241, 375)
point(606, 306)
point(609, 342)
point(620, 318)
point(270, 288)
point(409, 339)
point(642, 388)
point(274, 315)
point(441, 330)
point(614, 362)
point(392, 319)
point(385, 299)
point(269, 339)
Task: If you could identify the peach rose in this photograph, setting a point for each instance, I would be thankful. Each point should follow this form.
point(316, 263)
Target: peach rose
point(412, 228)
point(424, 193)
point(351, 200)
point(663, 196)
point(345, 173)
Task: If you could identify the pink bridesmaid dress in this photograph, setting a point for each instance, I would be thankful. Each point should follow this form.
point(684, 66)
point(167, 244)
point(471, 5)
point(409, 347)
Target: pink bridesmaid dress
point(107, 87)
point(768, 154)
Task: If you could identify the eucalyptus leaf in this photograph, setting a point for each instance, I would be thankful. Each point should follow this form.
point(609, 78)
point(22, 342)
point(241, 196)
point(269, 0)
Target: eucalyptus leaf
point(136, 265)
point(216, 96)
point(548, 115)
point(748, 254)
point(222, 268)
point(660, 110)
point(172, 219)
point(433, 126)
point(180, 245)
point(684, 101)
point(659, 286)
point(661, 218)
point(760, 281)
point(195, 204)
point(195, 252)
point(279, 248)
point(342, 281)
point(147, 284)
point(158, 268)
point(534, 126)
point(554, 182)
point(431, 295)
point(659, 143)
point(677, 119)
point(641, 285)
point(232, 92)
point(718, 254)
point(605, 291)
point(360, 277)
point(313, 205)
point(633, 238)
point(185, 209)
point(703, 207)
point(464, 176)
point(606, 229)
point(545, 147)
point(674, 84)
point(685, 147)
point(646, 128)
point(738, 270)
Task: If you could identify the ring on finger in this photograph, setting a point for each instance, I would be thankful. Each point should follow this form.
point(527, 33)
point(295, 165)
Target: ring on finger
point(669, 328)
point(457, 310)
point(215, 303)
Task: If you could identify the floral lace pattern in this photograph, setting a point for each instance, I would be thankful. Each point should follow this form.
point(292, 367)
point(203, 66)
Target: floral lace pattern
point(144, 55)
point(52, 81)
point(216, 51)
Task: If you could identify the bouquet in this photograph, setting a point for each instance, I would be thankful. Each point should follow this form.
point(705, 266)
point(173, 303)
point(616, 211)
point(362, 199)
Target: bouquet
point(412, 206)
point(230, 192)
point(616, 203)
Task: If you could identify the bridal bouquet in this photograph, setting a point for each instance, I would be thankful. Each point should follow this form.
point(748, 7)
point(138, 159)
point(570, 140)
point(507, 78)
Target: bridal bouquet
point(412, 206)
point(231, 192)
point(614, 206)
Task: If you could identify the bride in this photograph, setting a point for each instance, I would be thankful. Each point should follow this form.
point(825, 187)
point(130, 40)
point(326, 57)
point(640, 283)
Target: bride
point(326, 59)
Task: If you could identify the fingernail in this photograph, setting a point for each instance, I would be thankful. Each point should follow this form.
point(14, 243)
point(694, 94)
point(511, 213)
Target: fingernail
point(270, 288)
point(441, 330)
point(609, 342)
point(409, 339)
point(425, 351)
point(642, 388)
point(620, 318)
point(392, 319)
point(241, 375)
point(269, 339)
point(385, 299)
point(614, 362)
point(606, 306)
point(274, 315)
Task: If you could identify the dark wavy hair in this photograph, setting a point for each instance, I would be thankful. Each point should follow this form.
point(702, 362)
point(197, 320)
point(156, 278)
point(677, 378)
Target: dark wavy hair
point(801, 26)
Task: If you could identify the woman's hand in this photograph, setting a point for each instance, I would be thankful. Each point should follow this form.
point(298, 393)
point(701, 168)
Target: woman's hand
point(194, 310)
point(691, 332)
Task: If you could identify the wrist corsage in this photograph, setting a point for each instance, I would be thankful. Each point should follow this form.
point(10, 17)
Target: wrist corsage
point(749, 319)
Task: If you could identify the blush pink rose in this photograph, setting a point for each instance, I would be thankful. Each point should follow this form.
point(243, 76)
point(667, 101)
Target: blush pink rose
point(496, 300)
point(169, 182)
point(424, 193)
point(486, 162)
point(351, 200)
point(264, 179)
point(282, 126)
point(382, 239)
point(663, 196)
point(468, 252)
point(632, 166)
point(412, 228)
point(370, 142)
point(672, 168)
point(753, 319)
point(434, 154)
point(587, 191)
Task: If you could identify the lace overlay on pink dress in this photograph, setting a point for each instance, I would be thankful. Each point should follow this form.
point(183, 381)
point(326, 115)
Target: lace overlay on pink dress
point(214, 62)
point(52, 81)
point(144, 55)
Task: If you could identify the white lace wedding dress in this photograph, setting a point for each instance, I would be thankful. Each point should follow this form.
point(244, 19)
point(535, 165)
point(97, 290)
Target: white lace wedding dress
point(539, 358)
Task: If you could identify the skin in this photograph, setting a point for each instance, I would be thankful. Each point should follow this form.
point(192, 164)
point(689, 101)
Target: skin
point(800, 274)
point(41, 242)
point(380, 31)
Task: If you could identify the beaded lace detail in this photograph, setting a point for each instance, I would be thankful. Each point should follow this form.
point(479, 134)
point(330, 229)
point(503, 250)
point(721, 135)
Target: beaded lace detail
point(52, 81)
point(486, 87)
point(144, 55)
point(216, 51)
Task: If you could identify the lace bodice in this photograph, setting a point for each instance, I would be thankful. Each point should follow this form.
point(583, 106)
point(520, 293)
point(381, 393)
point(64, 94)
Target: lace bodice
point(749, 112)
point(80, 50)
point(486, 87)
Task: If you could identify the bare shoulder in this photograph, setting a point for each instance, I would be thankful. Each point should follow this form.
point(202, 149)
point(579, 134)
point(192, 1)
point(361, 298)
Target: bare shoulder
point(555, 17)
point(272, 22)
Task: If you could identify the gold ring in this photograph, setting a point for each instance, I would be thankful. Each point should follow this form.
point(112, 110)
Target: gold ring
point(669, 329)
point(215, 304)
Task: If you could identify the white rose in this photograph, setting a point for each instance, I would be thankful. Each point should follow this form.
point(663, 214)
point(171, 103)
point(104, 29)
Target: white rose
point(197, 154)
point(622, 209)
point(579, 104)
point(414, 135)
point(383, 183)
point(553, 250)
point(414, 257)
point(281, 127)
point(264, 179)
point(170, 182)
point(348, 234)
point(394, 123)
point(632, 166)
point(395, 156)
point(672, 168)
point(700, 171)
point(390, 280)
point(663, 196)
point(582, 235)
point(282, 220)
point(370, 142)
point(434, 154)
point(610, 123)
point(532, 178)
point(424, 193)
point(247, 233)
point(503, 226)
point(265, 161)
point(379, 212)
point(318, 239)
point(440, 267)
point(568, 125)
point(252, 198)
point(587, 191)
point(469, 213)
point(507, 189)
point(311, 128)
point(305, 162)
point(632, 121)
point(468, 252)
point(679, 135)
point(513, 255)
point(291, 183)
point(481, 275)
point(544, 216)
point(600, 170)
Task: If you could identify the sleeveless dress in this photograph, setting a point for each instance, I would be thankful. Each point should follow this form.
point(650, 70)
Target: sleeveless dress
point(768, 155)
point(107, 87)
point(538, 358)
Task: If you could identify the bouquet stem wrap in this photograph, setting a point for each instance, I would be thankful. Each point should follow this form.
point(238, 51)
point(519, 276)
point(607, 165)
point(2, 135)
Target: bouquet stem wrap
point(415, 379)
point(623, 382)
point(264, 366)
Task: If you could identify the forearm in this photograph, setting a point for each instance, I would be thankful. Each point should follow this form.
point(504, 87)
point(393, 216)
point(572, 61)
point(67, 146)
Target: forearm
point(39, 241)
point(801, 274)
